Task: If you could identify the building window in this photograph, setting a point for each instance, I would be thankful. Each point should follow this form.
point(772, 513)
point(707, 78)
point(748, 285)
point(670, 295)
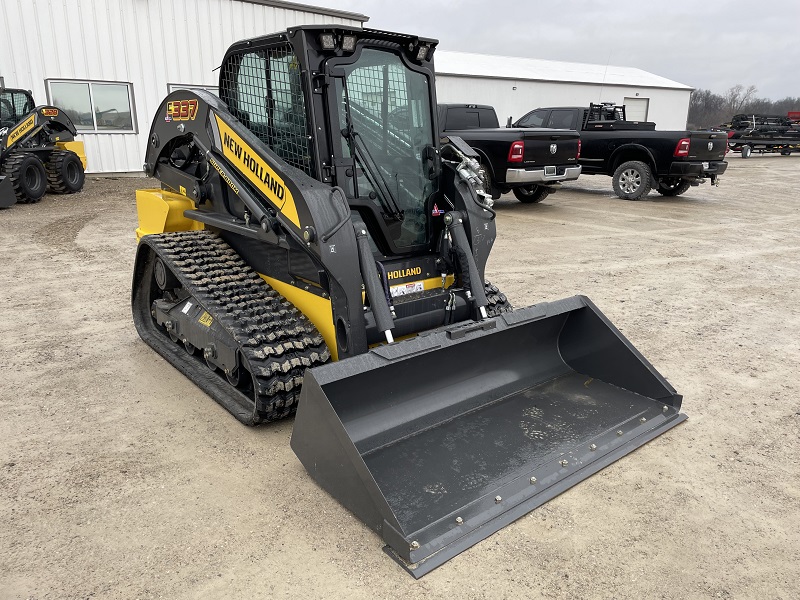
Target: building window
point(174, 87)
point(95, 106)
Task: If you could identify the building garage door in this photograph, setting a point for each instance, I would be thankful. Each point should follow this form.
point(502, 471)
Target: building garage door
point(636, 108)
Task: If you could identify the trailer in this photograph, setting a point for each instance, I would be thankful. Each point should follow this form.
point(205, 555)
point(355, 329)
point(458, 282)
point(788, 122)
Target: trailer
point(763, 134)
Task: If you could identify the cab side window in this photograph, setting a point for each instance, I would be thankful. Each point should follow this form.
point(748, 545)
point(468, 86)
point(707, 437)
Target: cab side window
point(534, 119)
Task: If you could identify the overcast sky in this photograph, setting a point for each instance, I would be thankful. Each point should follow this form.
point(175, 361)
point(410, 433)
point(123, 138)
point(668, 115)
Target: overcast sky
point(710, 44)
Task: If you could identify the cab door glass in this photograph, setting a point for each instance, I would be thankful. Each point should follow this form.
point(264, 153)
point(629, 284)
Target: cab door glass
point(534, 119)
point(561, 119)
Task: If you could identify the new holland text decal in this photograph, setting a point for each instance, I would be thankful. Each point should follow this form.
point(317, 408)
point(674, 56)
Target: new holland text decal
point(257, 171)
point(181, 110)
point(401, 273)
point(21, 130)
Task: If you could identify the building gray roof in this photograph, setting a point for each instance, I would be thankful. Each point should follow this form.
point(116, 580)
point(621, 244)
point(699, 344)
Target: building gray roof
point(467, 64)
point(320, 10)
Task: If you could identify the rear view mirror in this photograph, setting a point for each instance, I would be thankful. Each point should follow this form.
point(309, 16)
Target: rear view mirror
point(508, 123)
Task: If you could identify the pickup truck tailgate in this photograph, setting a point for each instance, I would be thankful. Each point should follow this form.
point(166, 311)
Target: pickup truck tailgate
point(707, 145)
point(550, 147)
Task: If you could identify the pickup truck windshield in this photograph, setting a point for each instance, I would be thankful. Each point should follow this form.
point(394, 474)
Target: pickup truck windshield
point(385, 117)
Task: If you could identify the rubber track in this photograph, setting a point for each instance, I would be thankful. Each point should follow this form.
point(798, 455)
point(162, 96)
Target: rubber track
point(498, 303)
point(277, 340)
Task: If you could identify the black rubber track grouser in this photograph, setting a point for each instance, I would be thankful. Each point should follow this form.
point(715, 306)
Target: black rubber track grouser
point(308, 218)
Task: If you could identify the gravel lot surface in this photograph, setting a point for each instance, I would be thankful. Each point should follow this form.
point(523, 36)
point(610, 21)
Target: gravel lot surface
point(120, 479)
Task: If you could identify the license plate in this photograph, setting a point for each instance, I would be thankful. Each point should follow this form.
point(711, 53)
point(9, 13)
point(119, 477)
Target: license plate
point(549, 170)
point(705, 166)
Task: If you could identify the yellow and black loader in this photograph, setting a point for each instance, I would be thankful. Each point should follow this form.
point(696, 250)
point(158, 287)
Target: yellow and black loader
point(38, 150)
point(315, 247)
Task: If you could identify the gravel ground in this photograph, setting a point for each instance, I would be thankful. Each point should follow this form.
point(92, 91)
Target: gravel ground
point(120, 479)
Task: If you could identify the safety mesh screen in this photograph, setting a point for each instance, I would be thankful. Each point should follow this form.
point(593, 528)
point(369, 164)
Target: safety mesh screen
point(264, 91)
point(14, 106)
point(379, 95)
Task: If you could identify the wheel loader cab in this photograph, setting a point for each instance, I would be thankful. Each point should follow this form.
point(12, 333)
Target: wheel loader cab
point(14, 104)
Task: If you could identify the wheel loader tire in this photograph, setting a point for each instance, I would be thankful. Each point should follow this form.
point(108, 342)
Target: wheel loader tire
point(632, 180)
point(27, 175)
point(672, 187)
point(498, 303)
point(65, 172)
point(532, 194)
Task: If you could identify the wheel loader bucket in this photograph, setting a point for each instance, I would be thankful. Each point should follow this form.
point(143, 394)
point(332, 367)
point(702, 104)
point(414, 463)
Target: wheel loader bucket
point(438, 441)
point(7, 196)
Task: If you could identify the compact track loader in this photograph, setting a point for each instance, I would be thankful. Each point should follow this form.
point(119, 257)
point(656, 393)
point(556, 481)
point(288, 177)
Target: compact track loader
point(315, 247)
point(37, 150)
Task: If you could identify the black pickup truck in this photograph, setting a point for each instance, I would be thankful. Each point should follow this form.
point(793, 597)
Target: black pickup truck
point(529, 162)
point(638, 157)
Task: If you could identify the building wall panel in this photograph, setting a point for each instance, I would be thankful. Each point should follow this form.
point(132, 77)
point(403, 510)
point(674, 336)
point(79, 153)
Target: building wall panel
point(148, 43)
point(668, 108)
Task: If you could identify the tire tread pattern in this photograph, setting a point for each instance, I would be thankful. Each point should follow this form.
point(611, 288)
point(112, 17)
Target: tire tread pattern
point(11, 170)
point(55, 179)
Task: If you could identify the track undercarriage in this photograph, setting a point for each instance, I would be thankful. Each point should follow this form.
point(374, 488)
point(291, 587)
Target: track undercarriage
point(210, 315)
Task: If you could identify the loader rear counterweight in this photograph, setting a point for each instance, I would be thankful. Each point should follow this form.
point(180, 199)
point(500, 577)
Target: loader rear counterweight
point(311, 215)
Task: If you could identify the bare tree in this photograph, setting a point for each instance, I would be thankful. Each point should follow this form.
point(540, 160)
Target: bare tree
point(707, 109)
point(737, 97)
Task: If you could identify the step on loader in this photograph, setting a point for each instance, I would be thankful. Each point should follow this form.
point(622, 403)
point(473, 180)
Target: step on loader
point(315, 247)
point(37, 150)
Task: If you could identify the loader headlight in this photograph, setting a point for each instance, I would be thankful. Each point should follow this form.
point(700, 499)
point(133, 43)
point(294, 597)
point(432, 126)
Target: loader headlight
point(349, 43)
point(422, 52)
point(327, 41)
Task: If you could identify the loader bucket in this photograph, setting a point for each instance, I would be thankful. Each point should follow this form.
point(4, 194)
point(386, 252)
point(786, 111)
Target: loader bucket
point(7, 196)
point(438, 441)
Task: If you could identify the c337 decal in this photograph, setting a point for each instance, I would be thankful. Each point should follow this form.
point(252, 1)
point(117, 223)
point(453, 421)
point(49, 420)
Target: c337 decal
point(181, 110)
point(21, 130)
point(257, 171)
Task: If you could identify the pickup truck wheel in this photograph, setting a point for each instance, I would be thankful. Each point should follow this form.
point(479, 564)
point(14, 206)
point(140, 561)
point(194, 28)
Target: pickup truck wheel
point(672, 186)
point(532, 193)
point(746, 151)
point(632, 180)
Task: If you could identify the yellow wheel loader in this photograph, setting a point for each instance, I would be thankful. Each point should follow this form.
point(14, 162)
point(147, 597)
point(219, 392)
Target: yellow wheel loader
point(315, 247)
point(37, 150)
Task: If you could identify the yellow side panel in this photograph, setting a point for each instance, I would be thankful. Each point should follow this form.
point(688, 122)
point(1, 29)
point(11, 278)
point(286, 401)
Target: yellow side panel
point(318, 310)
point(77, 148)
point(20, 130)
point(161, 211)
point(260, 174)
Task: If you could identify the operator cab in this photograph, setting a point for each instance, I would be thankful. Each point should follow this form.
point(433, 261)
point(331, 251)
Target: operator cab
point(354, 109)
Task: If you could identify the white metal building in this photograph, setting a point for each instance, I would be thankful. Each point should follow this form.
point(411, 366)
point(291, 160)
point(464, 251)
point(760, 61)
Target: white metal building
point(515, 86)
point(121, 57)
